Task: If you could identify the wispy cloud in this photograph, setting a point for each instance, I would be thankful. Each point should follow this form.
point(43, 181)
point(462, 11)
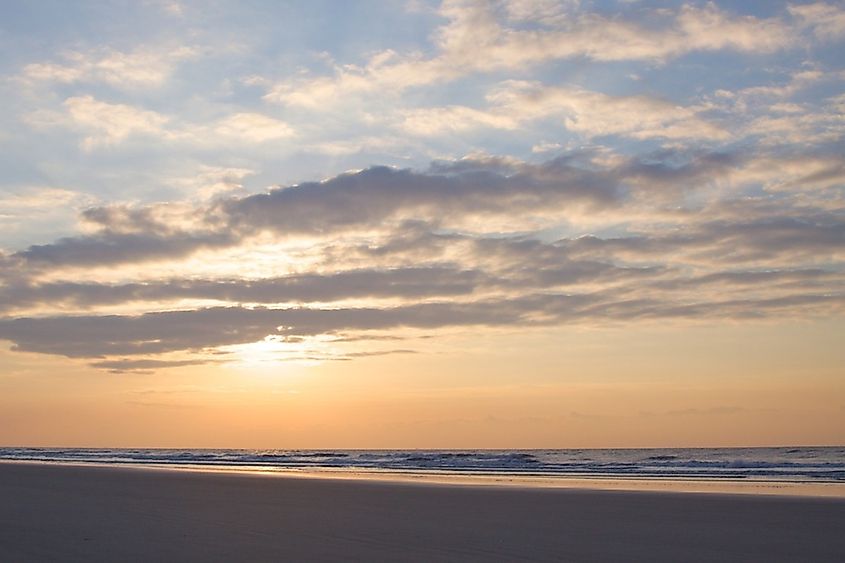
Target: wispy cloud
point(827, 21)
point(104, 125)
point(140, 68)
point(589, 113)
point(480, 37)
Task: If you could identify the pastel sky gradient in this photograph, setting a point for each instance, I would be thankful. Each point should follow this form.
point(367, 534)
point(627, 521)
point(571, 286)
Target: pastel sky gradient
point(407, 224)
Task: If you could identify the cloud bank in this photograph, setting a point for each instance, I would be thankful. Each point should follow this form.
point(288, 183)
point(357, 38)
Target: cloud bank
point(462, 244)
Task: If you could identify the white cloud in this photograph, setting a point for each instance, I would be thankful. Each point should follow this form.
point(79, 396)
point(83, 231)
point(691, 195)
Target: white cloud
point(825, 20)
point(450, 119)
point(804, 172)
point(46, 208)
point(211, 181)
point(478, 39)
point(711, 29)
point(514, 103)
point(105, 124)
point(252, 127)
point(547, 11)
point(124, 70)
point(755, 94)
point(383, 143)
point(34, 200)
point(810, 128)
point(546, 147)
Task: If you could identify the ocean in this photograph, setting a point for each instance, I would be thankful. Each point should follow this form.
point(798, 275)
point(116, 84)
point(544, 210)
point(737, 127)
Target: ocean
point(797, 464)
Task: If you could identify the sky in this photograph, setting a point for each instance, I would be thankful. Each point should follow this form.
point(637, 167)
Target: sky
point(413, 224)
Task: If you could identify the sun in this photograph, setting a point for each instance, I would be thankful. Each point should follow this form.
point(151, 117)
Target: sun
point(275, 349)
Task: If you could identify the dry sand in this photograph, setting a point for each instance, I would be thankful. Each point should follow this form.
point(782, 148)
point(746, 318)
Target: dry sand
point(71, 513)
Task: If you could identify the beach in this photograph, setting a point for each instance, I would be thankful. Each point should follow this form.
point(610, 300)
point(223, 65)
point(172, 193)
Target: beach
point(92, 513)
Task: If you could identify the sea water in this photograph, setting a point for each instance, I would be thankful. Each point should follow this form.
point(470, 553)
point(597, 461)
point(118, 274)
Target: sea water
point(802, 464)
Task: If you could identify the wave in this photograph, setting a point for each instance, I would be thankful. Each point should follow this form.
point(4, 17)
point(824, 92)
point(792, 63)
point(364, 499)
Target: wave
point(811, 464)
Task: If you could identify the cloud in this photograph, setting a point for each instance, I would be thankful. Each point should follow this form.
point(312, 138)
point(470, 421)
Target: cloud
point(356, 201)
point(589, 237)
point(593, 165)
point(759, 242)
point(212, 181)
point(155, 333)
point(200, 329)
point(406, 283)
point(450, 119)
point(514, 103)
point(723, 117)
point(479, 37)
point(23, 208)
point(141, 68)
point(477, 194)
point(112, 248)
point(105, 124)
point(143, 366)
point(827, 21)
point(378, 194)
point(253, 127)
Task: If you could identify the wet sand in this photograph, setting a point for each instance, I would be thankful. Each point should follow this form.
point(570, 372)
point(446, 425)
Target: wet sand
point(73, 513)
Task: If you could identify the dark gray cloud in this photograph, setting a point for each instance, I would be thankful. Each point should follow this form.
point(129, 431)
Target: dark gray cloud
point(158, 332)
point(526, 266)
point(377, 194)
point(143, 366)
point(794, 278)
point(815, 236)
point(192, 330)
point(117, 248)
point(397, 241)
point(408, 283)
point(378, 197)
point(359, 200)
point(679, 171)
point(126, 219)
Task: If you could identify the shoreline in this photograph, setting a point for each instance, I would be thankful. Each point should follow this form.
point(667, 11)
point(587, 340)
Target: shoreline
point(682, 485)
point(89, 513)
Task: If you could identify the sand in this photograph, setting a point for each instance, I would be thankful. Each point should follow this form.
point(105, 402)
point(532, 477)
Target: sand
point(72, 513)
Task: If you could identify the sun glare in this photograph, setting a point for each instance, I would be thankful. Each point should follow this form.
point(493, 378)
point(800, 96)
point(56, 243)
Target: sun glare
point(275, 350)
